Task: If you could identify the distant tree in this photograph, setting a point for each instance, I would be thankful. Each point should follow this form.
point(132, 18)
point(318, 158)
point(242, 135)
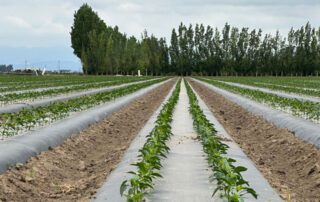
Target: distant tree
point(85, 21)
point(174, 51)
point(6, 68)
point(193, 50)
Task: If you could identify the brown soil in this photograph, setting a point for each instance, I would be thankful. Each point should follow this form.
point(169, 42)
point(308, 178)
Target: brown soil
point(290, 165)
point(76, 169)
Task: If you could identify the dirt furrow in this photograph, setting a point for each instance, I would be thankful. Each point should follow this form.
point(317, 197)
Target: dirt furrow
point(290, 165)
point(76, 169)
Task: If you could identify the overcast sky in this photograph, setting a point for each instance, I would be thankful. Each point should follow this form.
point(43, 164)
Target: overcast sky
point(38, 30)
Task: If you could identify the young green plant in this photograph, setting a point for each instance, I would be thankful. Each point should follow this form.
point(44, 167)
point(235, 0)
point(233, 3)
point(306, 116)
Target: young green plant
point(151, 154)
point(230, 182)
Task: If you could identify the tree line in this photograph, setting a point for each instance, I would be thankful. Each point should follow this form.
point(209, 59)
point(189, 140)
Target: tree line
point(199, 49)
point(104, 50)
point(6, 68)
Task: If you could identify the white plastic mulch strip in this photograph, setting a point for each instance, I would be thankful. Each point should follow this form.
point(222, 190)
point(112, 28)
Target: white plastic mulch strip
point(185, 171)
point(40, 89)
point(20, 148)
point(47, 101)
point(110, 191)
point(286, 86)
point(306, 130)
point(278, 93)
point(252, 175)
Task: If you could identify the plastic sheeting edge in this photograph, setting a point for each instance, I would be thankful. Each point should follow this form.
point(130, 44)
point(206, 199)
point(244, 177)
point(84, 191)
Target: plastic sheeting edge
point(21, 148)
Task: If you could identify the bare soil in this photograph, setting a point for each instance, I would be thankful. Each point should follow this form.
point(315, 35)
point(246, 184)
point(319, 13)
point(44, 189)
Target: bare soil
point(291, 165)
point(76, 169)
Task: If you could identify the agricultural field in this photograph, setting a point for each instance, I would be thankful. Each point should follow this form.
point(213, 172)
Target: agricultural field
point(143, 101)
point(126, 138)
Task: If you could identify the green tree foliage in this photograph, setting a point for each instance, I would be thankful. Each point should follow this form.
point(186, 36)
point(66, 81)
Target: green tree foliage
point(85, 21)
point(194, 50)
point(104, 50)
point(240, 51)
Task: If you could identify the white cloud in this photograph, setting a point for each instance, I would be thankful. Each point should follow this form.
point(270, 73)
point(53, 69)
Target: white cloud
point(46, 23)
point(17, 22)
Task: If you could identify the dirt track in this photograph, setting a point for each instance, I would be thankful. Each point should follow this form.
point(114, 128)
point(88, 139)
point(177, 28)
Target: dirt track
point(75, 170)
point(290, 165)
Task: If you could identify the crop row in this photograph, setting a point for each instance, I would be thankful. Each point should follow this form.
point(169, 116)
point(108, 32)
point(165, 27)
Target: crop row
point(151, 154)
point(288, 89)
point(8, 98)
point(18, 86)
point(287, 84)
point(230, 182)
point(13, 123)
point(305, 109)
point(20, 79)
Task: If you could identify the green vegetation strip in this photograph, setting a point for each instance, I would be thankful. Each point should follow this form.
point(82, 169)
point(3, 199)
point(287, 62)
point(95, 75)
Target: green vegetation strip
point(228, 176)
point(13, 123)
point(288, 89)
point(36, 94)
point(46, 82)
point(305, 109)
point(300, 82)
point(151, 154)
point(273, 86)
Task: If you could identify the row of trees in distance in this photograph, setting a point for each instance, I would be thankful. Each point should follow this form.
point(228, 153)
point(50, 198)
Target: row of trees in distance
point(6, 68)
point(194, 49)
point(104, 50)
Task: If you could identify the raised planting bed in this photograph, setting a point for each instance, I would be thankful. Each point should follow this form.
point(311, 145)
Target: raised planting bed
point(151, 154)
point(229, 178)
point(32, 95)
point(20, 148)
point(28, 118)
point(110, 189)
point(256, 180)
point(47, 101)
point(305, 130)
point(304, 109)
point(275, 92)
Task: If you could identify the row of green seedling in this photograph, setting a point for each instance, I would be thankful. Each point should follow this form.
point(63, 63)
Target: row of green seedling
point(305, 109)
point(273, 86)
point(305, 82)
point(13, 123)
point(230, 183)
point(18, 86)
point(50, 92)
point(19, 79)
point(151, 154)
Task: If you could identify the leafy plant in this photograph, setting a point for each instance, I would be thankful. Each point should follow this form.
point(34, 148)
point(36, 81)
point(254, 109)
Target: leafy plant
point(27, 118)
point(228, 176)
point(305, 109)
point(151, 153)
point(10, 97)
